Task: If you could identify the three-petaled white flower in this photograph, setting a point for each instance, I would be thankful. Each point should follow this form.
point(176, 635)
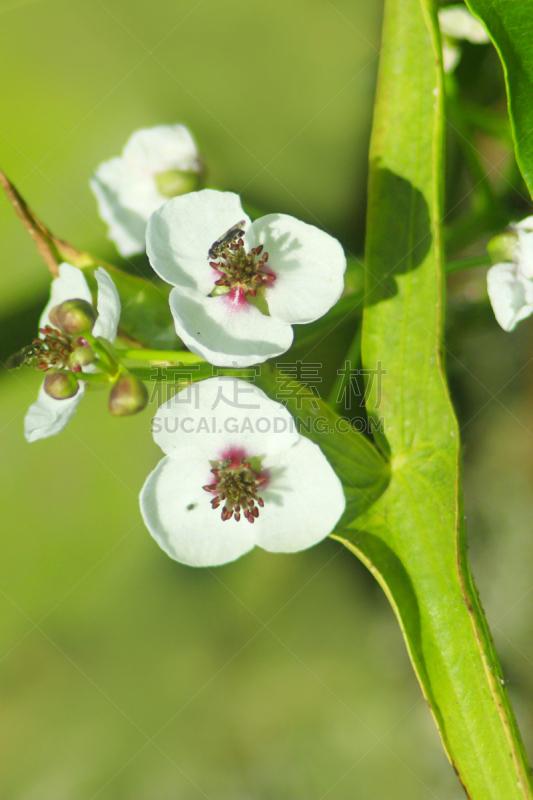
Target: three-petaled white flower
point(156, 164)
point(241, 285)
point(456, 22)
point(233, 457)
point(48, 416)
point(510, 283)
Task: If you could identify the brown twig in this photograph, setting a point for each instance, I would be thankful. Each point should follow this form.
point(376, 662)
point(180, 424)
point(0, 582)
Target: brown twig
point(51, 249)
point(43, 239)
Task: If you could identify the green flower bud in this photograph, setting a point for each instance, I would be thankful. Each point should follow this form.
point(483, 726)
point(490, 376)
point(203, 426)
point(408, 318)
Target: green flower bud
point(60, 385)
point(173, 182)
point(128, 396)
point(73, 317)
point(81, 357)
point(503, 247)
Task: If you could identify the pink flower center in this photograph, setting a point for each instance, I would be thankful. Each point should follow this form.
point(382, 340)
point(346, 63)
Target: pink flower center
point(236, 485)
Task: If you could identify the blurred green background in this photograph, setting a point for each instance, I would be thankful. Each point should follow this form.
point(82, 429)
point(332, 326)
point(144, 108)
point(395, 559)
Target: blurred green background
point(126, 676)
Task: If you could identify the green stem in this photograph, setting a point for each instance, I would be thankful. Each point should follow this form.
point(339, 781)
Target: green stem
point(105, 362)
point(483, 193)
point(472, 225)
point(467, 263)
point(172, 356)
point(194, 372)
point(95, 377)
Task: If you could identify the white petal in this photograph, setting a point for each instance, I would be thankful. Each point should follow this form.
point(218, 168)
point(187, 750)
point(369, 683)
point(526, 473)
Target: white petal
point(303, 502)
point(524, 253)
point(303, 499)
point(450, 55)
point(70, 285)
point(108, 307)
point(524, 224)
point(178, 514)
point(152, 150)
point(181, 232)
point(459, 23)
point(225, 333)
point(48, 416)
point(309, 265)
point(124, 204)
point(213, 416)
point(511, 294)
point(125, 187)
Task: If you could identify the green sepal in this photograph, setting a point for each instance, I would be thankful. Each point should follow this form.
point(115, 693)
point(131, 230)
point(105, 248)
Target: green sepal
point(255, 464)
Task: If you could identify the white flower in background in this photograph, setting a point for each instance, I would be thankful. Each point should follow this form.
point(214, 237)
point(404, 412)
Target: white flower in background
point(48, 416)
point(240, 285)
point(156, 164)
point(233, 458)
point(510, 283)
point(456, 22)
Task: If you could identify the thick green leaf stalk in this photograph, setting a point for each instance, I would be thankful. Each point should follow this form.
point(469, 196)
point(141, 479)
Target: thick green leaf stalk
point(413, 537)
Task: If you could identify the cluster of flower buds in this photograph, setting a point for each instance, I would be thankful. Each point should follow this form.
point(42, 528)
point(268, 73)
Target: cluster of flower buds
point(61, 350)
point(66, 351)
point(75, 351)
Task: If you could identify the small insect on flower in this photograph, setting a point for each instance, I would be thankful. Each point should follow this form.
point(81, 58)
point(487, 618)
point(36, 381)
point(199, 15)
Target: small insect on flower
point(231, 236)
point(25, 356)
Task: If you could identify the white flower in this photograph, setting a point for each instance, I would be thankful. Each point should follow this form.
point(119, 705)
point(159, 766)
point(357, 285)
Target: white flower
point(233, 458)
point(48, 416)
point(456, 22)
point(459, 23)
point(510, 283)
point(295, 270)
point(156, 163)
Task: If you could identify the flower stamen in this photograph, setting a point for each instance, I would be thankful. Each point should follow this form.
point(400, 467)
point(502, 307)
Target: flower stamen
point(243, 271)
point(237, 485)
point(51, 351)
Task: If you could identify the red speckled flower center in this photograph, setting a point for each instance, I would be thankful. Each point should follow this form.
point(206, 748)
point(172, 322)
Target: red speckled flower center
point(246, 272)
point(236, 485)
